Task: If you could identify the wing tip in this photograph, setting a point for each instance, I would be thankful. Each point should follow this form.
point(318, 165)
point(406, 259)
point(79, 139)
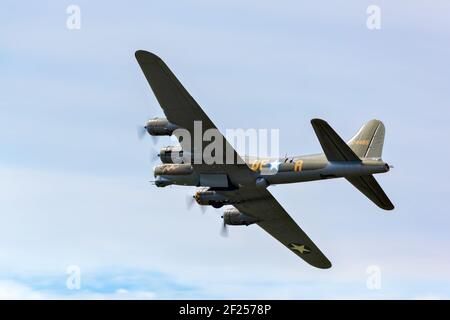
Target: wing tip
point(323, 265)
point(317, 121)
point(142, 54)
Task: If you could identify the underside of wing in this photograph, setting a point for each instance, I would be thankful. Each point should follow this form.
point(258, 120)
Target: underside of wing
point(272, 217)
point(182, 110)
point(178, 105)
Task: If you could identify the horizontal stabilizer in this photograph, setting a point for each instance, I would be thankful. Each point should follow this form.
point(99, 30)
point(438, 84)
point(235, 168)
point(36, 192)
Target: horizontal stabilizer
point(372, 190)
point(332, 144)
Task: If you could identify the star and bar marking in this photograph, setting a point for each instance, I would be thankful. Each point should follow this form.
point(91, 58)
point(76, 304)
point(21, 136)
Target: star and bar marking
point(300, 248)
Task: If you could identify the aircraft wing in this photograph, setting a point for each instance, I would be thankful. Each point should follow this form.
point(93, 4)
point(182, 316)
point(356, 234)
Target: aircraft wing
point(181, 109)
point(178, 105)
point(276, 221)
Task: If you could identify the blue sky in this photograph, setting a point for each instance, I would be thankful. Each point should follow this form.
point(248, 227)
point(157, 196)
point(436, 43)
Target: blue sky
point(74, 178)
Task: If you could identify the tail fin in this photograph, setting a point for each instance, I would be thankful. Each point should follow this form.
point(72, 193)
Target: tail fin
point(368, 141)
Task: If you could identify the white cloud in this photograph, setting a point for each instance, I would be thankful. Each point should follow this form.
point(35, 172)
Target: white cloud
point(55, 219)
point(15, 290)
point(11, 290)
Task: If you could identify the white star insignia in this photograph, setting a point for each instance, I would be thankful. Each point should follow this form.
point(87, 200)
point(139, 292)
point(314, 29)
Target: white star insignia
point(300, 248)
point(275, 165)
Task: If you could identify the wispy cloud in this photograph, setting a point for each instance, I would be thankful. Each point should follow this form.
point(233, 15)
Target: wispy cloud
point(13, 290)
point(101, 284)
point(74, 178)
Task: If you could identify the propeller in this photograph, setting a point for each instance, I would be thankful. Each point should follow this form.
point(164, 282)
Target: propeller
point(224, 229)
point(155, 139)
point(190, 201)
point(154, 155)
point(141, 131)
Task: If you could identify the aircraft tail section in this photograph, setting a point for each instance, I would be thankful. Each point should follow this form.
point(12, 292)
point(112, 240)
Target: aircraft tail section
point(334, 147)
point(368, 141)
point(372, 190)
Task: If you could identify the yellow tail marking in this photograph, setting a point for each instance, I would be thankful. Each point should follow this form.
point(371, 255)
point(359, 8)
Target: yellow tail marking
point(361, 142)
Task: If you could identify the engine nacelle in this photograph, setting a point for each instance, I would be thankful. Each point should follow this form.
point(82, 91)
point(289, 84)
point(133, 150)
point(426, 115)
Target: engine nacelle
point(210, 197)
point(174, 154)
point(234, 217)
point(173, 170)
point(160, 127)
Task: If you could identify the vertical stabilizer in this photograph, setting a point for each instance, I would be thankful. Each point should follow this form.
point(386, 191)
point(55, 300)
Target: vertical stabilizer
point(368, 142)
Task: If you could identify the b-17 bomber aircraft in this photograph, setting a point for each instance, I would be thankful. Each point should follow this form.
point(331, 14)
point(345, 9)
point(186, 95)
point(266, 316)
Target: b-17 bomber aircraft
point(241, 182)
